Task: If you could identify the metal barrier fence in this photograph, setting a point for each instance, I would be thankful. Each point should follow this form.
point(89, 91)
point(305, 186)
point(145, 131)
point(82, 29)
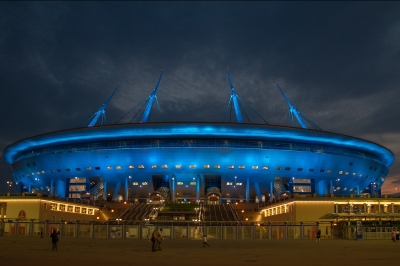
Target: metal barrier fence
point(171, 230)
point(182, 230)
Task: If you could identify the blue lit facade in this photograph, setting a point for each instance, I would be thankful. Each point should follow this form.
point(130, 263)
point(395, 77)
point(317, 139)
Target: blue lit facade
point(197, 161)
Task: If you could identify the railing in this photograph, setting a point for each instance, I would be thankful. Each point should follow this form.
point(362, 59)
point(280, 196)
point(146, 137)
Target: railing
point(184, 230)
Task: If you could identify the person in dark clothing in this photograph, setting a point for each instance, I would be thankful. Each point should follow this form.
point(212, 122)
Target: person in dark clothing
point(319, 236)
point(54, 239)
point(154, 236)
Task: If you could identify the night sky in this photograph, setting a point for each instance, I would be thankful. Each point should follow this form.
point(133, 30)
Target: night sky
point(338, 63)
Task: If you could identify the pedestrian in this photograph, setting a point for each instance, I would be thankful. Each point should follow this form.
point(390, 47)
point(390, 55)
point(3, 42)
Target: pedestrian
point(154, 240)
point(318, 236)
point(54, 239)
point(41, 232)
point(397, 235)
point(159, 239)
point(205, 241)
point(393, 235)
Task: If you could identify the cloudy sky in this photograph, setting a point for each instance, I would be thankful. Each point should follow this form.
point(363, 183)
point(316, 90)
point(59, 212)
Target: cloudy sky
point(338, 62)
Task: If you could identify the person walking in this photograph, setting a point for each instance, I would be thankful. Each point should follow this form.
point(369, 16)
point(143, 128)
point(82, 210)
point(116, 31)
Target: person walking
point(205, 241)
point(318, 236)
point(54, 239)
point(393, 235)
point(154, 240)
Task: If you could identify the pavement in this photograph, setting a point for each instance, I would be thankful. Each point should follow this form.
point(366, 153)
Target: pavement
point(22, 250)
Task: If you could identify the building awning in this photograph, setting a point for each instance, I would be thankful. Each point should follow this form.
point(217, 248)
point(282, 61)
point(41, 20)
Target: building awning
point(360, 216)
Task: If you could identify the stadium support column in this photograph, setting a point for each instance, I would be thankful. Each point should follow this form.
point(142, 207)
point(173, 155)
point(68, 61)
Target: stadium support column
point(248, 190)
point(358, 190)
point(172, 185)
point(271, 191)
point(198, 188)
point(322, 188)
point(117, 187)
point(62, 188)
point(331, 187)
point(105, 191)
point(52, 187)
point(126, 189)
point(257, 187)
point(29, 188)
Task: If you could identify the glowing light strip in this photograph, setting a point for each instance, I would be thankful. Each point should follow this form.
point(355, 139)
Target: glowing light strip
point(184, 130)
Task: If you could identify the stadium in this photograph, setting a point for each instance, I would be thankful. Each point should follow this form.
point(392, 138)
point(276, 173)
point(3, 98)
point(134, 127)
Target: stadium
point(197, 162)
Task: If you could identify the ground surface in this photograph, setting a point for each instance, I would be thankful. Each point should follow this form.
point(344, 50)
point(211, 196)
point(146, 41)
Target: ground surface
point(85, 251)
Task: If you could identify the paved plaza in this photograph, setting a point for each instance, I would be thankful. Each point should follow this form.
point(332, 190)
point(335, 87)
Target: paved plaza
point(85, 251)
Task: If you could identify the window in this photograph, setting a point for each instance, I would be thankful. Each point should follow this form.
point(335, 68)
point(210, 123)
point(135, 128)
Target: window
point(329, 171)
point(164, 166)
point(302, 181)
point(109, 167)
point(131, 166)
point(231, 166)
point(78, 209)
point(68, 170)
point(206, 166)
point(192, 166)
point(58, 170)
point(229, 183)
point(178, 166)
point(340, 172)
point(78, 169)
point(287, 168)
point(238, 183)
point(179, 183)
point(97, 168)
point(301, 189)
point(45, 206)
point(265, 167)
point(141, 166)
point(52, 171)
point(299, 169)
point(321, 170)
point(135, 183)
point(144, 183)
point(192, 183)
point(254, 167)
point(118, 167)
point(241, 166)
point(217, 166)
point(154, 166)
point(89, 168)
point(278, 168)
point(350, 163)
point(311, 170)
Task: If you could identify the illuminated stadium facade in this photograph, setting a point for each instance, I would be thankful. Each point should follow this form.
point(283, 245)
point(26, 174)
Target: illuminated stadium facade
point(211, 162)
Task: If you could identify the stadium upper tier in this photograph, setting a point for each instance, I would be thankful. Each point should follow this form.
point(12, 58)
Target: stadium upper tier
point(193, 161)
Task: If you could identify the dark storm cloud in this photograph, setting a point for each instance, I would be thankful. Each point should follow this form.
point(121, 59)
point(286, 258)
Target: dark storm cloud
point(338, 62)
